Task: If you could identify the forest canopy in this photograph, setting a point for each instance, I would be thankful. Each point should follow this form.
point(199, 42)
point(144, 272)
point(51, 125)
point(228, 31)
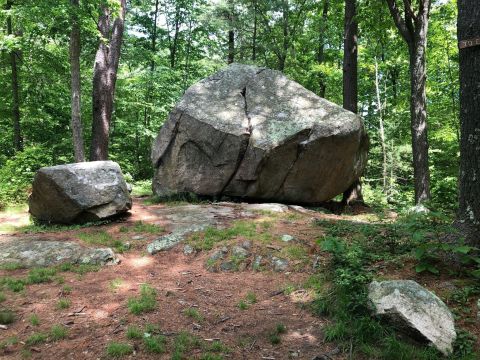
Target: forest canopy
point(169, 45)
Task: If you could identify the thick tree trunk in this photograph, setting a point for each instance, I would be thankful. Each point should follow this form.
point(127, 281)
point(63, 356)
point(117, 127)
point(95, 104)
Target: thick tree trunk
point(418, 114)
point(350, 82)
point(469, 199)
point(17, 133)
point(413, 27)
point(76, 122)
point(104, 79)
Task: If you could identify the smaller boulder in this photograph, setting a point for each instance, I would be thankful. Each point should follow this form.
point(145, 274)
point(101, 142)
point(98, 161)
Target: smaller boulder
point(79, 193)
point(415, 310)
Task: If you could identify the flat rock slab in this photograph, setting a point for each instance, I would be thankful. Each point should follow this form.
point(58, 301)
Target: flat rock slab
point(184, 220)
point(35, 252)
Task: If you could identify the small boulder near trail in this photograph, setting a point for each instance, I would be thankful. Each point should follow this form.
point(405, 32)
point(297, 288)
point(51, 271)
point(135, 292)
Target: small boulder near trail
point(79, 193)
point(252, 133)
point(415, 310)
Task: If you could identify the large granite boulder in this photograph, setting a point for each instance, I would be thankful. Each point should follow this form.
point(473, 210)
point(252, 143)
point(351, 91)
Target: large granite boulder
point(415, 310)
point(78, 193)
point(251, 132)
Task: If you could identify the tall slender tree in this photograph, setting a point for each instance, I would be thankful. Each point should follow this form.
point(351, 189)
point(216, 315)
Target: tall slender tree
point(413, 27)
point(321, 45)
point(111, 26)
point(469, 40)
point(17, 133)
point(350, 80)
point(76, 120)
point(231, 32)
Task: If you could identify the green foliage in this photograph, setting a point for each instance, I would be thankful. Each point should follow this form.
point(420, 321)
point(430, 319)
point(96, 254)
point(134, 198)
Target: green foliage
point(142, 227)
point(146, 302)
point(102, 237)
point(40, 275)
point(63, 303)
point(211, 236)
point(342, 295)
point(58, 332)
point(3, 297)
point(34, 320)
point(155, 343)
point(117, 349)
point(193, 314)
point(134, 332)
point(183, 343)
point(36, 338)
point(6, 317)
point(274, 335)
point(16, 175)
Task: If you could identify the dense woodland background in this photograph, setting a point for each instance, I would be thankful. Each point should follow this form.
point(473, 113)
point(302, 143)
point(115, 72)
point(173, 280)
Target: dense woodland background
point(170, 44)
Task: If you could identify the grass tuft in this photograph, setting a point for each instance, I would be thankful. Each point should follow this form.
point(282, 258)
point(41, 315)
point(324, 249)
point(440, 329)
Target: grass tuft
point(118, 349)
point(146, 302)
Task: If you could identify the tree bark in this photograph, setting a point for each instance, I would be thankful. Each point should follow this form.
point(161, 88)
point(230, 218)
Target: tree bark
point(321, 47)
point(104, 78)
point(76, 121)
point(350, 58)
point(231, 34)
point(381, 128)
point(413, 27)
point(254, 38)
point(468, 217)
point(17, 133)
point(350, 82)
point(174, 46)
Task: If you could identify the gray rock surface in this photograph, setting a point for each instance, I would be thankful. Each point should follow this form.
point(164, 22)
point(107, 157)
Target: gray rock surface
point(287, 238)
point(279, 264)
point(31, 253)
point(415, 310)
point(78, 193)
point(185, 220)
point(239, 252)
point(251, 132)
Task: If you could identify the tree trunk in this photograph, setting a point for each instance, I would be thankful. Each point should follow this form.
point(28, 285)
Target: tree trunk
point(76, 121)
point(381, 127)
point(154, 36)
point(321, 47)
point(254, 38)
point(17, 134)
point(413, 27)
point(350, 58)
point(231, 34)
point(468, 217)
point(173, 50)
point(283, 54)
point(104, 79)
point(418, 113)
point(350, 83)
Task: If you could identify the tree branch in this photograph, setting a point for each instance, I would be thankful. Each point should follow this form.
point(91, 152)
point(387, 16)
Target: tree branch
point(399, 21)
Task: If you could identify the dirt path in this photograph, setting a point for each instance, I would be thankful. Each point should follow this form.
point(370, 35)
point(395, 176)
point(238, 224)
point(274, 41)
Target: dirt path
point(218, 299)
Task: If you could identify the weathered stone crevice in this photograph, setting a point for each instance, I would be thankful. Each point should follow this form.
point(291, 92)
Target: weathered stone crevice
point(172, 140)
